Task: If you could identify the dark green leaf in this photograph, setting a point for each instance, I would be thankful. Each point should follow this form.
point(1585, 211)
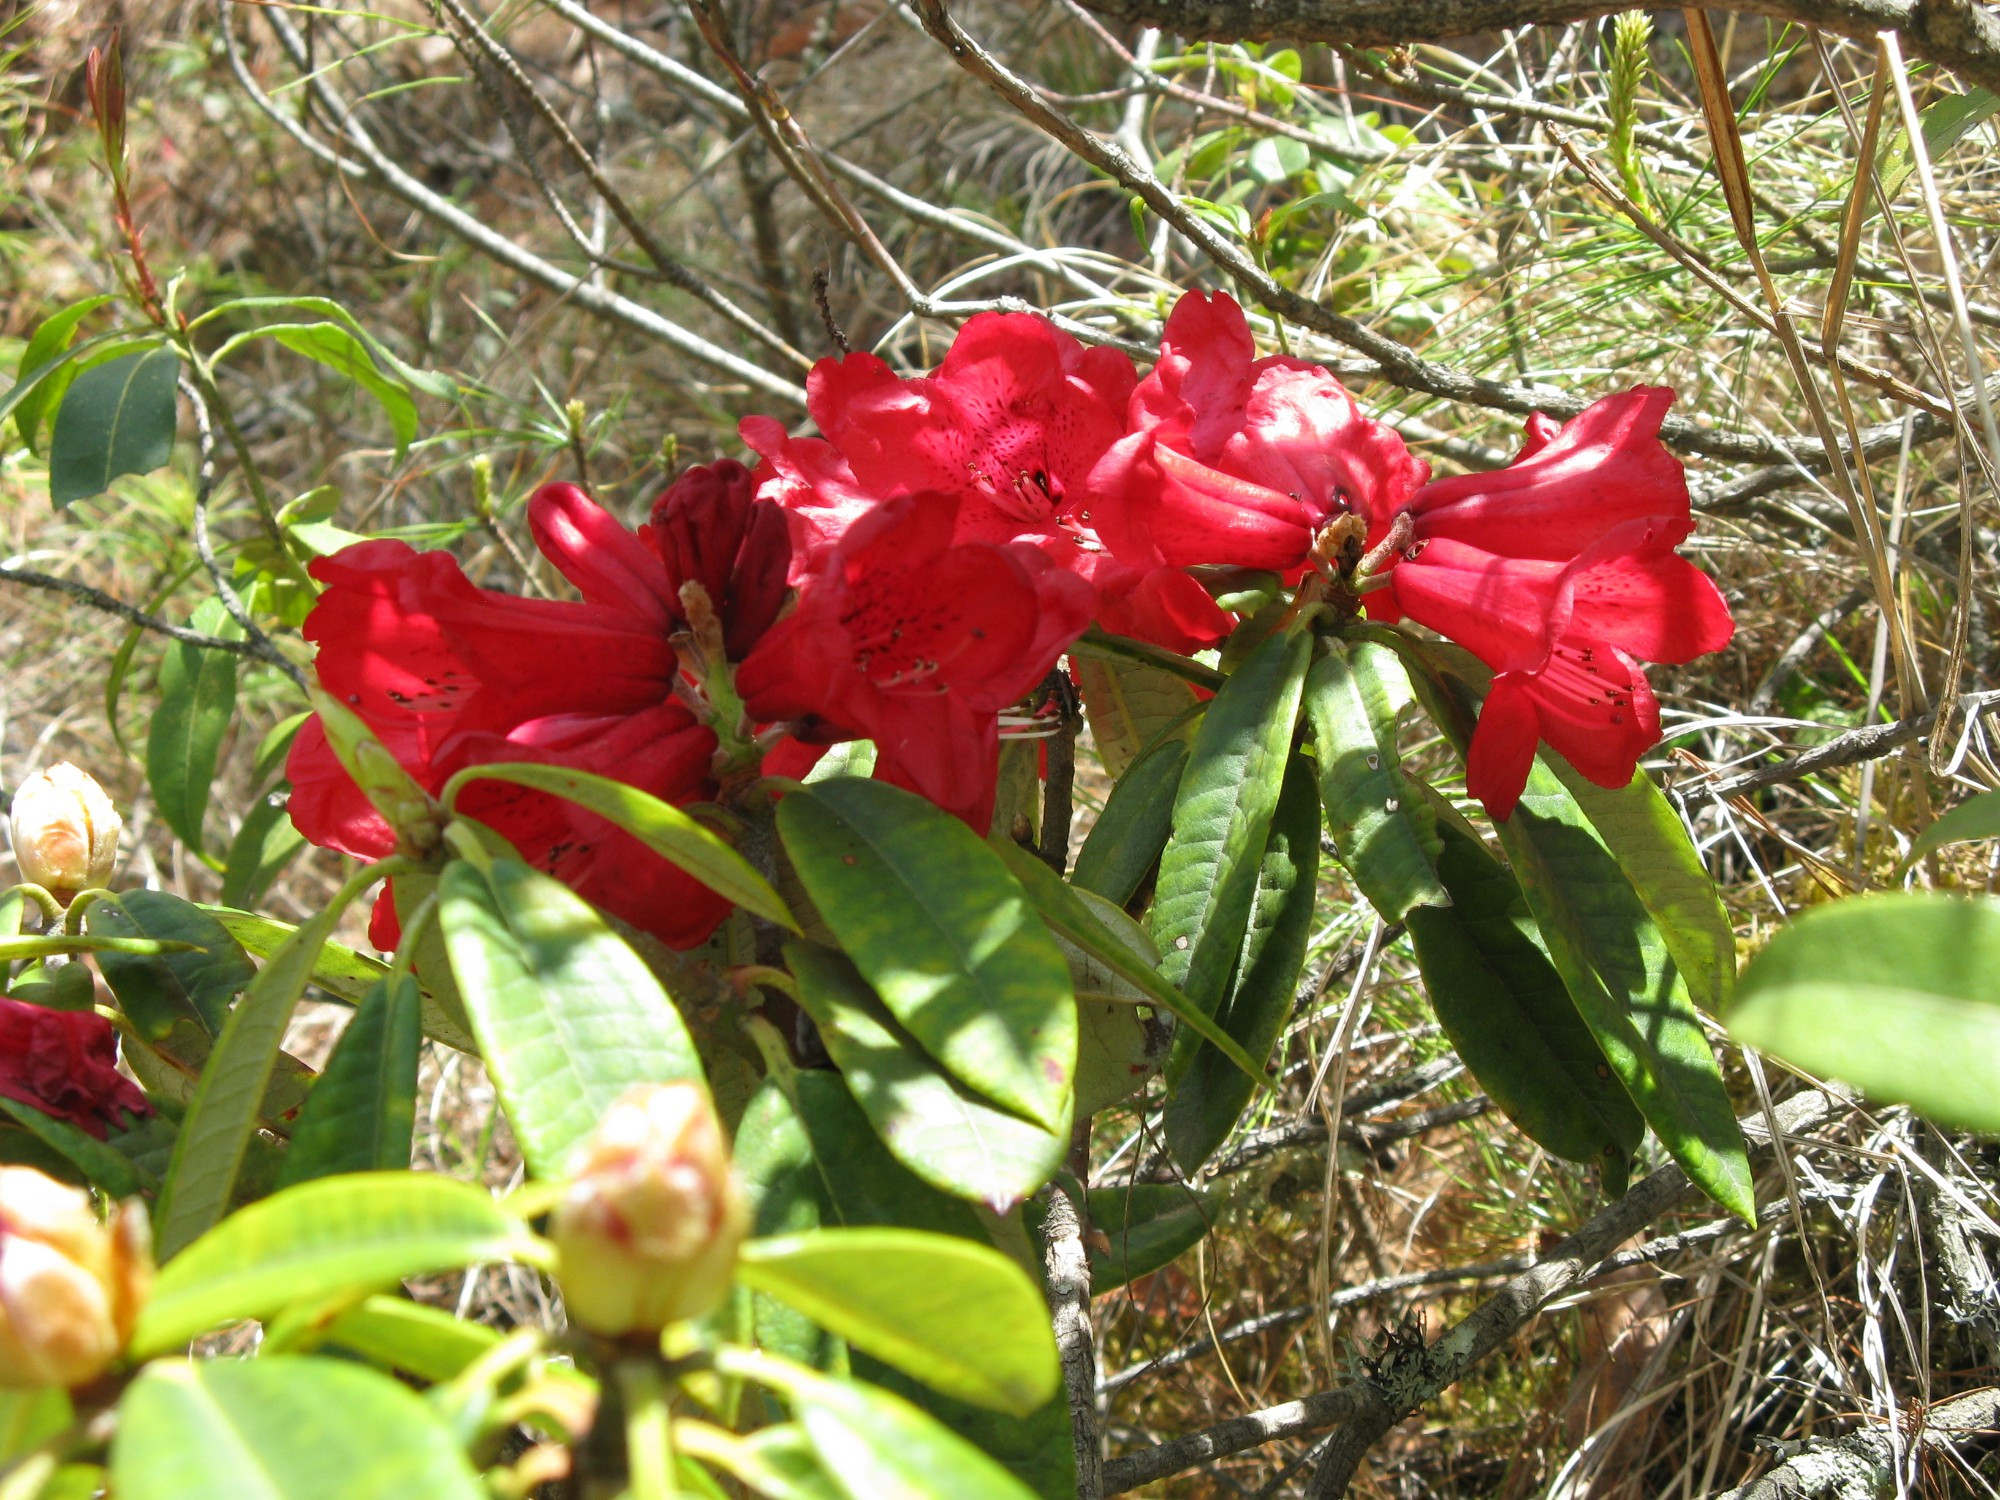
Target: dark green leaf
point(1222, 819)
point(282, 1428)
point(774, 1161)
point(102, 1165)
point(948, 1136)
point(322, 1239)
point(1897, 994)
point(360, 1115)
point(337, 349)
point(567, 1015)
point(1383, 828)
point(197, 698)
point(265, 843)
point(1210, 1091)
point(1147, 1225)
point(908, 1298)
point(155, 991)
point(49, 342)
point(861, 1182)
point(116, 418)
point(1125, 842)
point(1509, 1017)
point(1978, 817)
point(930, 915)
point(66, 987)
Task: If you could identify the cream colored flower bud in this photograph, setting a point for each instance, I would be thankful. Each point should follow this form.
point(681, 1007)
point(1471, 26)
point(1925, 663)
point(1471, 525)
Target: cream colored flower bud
point(65, 830)
point(648, 1231)
point(70, 1287)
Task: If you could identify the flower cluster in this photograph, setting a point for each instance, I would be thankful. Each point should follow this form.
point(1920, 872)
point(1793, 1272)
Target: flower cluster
point(922, 565)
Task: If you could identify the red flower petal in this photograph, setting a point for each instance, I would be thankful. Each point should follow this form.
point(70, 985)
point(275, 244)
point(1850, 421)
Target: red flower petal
point(1655, 604)
point(608, 564)
point(1506, 611)
point(65, 1063)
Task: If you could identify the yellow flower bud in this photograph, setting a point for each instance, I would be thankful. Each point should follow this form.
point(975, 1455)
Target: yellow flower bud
point(65, 830)
point(70, 1287)
point(648, 1231)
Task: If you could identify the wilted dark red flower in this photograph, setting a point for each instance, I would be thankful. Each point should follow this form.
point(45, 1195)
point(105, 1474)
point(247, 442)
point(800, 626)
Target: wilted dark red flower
point(1011, 425)
point(450, 675)
point(1559, 572)
point(1235, 459)
point(65, 1063)
point(905, 637)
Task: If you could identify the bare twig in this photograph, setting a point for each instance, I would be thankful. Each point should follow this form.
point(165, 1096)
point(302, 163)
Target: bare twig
point(1870, 742)
point(1067, 1270)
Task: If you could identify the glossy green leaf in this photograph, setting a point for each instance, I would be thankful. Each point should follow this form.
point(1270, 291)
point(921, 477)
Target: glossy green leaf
point(1068, 914)
point(908, 1298)
point(224, 1112)
point(1382, 827)
point(568, 1017)
point(101, 1164)
point(50, 341)
point(1125, 842)
point(1620, 973)
point(1651, 844)
point(339, 350)
point(951, 1138)
point(1146, 1225)
point(879, 1445)
point(361, 1114)
point(1897, 994)
point(1978, 817)
point(395, 1333)
point(944, 934)
point(338, 970)
point(1511, 1019)
point(660, 826)
point(320, 1240)
point(158, 989)
point(774, 1162)
point(861, 1181)
point(1038, 1450)
point(197, 692)
point(116, 418)
point(429, 382)
point(282, 1428)
point(1222, 819)
point(266, 841)
point(1122, 1037)
point(1209, 1091)
point(1128, 706)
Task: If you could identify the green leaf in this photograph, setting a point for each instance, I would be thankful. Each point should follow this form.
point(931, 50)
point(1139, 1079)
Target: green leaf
point(1147, 1225)
point(103, 1165)
point(340, 351)
point(27, 1418)
point(778, 1463)
point(774, 1162)
point(319, 1240)
point(1069, 916)
point(396, 1333)
point(339, 970)
point(282, 1428)
point(1210, 1091)
point(116, 418)
point(157, 990)
point(1129, 705)
point(660, 826)
point(1222, 819)
point(860, 1181)
point(567, 1015)
point(1382, 826)
point(879, 1445)
point(69, 987)
point(1896, 994)
point(1651, 844)
point(1978, 817)
point(265, 843)
point(1511, 1020)
point(1122, 1038)
point(1125, 842)
point(950, 1138)
point(427, 381)
point(197, 699)
point(208, 1154)
point(362, 1112)
point(40, 946)
point(50, 340)
point(908, 1298)
point(930, 915)
point(1621, 975)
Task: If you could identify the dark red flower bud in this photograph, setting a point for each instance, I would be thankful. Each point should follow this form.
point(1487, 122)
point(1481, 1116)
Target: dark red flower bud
point(65, 1063)
point(709, 528)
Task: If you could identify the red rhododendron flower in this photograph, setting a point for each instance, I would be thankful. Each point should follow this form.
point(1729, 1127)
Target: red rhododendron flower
point(450, 675)
point(1559, 572)
point(65, 1063)
point(1236, 459)
point(1012, 425)
point(905, 637)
